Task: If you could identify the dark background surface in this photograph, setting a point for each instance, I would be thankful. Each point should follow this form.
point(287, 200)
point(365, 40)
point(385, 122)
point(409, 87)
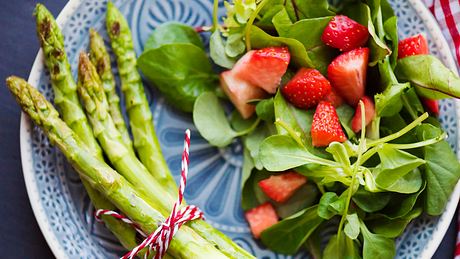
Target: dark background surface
point(20, 236)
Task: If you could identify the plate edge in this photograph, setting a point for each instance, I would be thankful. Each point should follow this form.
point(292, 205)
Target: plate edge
point(25, 140)
point(449, 212)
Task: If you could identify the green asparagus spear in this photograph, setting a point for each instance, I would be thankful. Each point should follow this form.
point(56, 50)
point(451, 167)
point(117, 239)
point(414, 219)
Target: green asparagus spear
point(140, 116)
point(125, 162)
point(101, 60)
point(185, 244)
point(66, 99)
point(92, 94)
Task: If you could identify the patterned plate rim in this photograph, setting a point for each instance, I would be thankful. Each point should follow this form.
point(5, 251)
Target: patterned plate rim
point(449, 212)
point(26, 127)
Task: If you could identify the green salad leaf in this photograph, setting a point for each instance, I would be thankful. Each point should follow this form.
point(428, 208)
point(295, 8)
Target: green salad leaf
point(352, 226)
point(288, 235)
point(376, 245)
point(210, 120)
point(253, 140)
point(217, 51)
point(345, 114)
point(395, 165)
point(303, 198)
point(429, 76)
point(442, 170)
point(251, 195)
point(265, 110)
point(280, 152)
point(389, 103)
point(172, 32)
point(390, 27)
point(401, 204)
point(292, 121)
point(341, 247)
point(323, 206)
point(392, 228)
point(261, 39)
point(371, 201)
point(180, 82)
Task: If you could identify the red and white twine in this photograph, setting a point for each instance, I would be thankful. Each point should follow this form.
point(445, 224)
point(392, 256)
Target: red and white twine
point(162, 237)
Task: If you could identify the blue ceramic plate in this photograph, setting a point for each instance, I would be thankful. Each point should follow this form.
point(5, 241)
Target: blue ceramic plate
point(60, 203)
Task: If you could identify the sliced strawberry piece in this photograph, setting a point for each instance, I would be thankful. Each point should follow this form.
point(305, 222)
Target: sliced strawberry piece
point(261, 218)
point(415, 45)
point(282, 186)
point(326, 126)
point(334, 98)
point(344, 34)
point(431, 105)
point(264, 67)
point(240, 92)
point(347, 74)
point(369, 109)
point(306, 88)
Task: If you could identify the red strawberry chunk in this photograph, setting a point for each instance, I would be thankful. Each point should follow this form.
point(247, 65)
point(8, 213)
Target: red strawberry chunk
point(344, 34)
point(334, 98)
point(240, 92)
point(261, 218)
point(282, 186)
point(264, 67)
point(415, 45)
point(369, 112)
point(347, 74)
point(431, 105)
point(326, 126)
point(306, 88)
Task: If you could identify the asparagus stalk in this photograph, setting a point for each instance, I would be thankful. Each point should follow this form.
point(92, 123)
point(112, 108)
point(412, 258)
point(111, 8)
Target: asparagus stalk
point(101, 60)
point(91, 92)
point(66, 99)
point(185, 244)
point(140, 116)
point(64, 86)
point(125, 162)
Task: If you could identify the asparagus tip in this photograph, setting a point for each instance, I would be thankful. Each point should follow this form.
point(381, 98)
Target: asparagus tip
point(38, 7)
point(13, 83)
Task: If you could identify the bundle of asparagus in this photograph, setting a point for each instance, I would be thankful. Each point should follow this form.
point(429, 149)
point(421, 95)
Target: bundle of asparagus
point(142, 188)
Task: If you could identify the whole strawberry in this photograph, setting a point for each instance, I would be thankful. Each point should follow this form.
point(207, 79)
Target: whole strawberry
point(306, 88)
point(344, 34)
point(326, 126)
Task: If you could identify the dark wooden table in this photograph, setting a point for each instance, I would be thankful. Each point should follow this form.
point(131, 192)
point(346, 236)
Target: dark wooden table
point(20, 236)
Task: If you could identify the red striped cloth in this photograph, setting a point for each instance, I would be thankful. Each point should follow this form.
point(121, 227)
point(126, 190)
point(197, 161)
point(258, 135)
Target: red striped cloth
point(447, 13)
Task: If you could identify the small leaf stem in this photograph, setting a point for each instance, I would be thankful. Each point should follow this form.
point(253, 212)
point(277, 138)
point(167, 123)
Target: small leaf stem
point(400, 133)
point(247, 30)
